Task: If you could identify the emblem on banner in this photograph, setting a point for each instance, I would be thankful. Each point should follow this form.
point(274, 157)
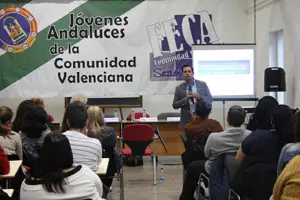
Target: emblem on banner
point(18, 29)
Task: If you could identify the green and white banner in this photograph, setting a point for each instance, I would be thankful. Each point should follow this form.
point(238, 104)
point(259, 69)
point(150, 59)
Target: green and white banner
point(105, 48)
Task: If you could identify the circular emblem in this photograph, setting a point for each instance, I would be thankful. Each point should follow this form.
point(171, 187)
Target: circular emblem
point(18, 29)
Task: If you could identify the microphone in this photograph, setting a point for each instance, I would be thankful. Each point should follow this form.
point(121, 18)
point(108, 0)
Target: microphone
point(192, 98)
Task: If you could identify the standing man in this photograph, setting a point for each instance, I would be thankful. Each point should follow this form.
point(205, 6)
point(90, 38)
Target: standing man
point(188, 93)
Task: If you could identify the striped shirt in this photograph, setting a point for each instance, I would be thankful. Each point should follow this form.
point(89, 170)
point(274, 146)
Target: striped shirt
point(86, 151)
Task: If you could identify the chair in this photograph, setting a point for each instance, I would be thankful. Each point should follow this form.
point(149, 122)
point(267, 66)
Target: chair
point(255, 181)
point(137, 115)
point(138, 137)
point(185, 141)
point(164, 116)
point(222, 173)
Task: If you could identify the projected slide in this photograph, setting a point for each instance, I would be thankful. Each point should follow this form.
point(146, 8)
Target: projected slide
point(228, 70)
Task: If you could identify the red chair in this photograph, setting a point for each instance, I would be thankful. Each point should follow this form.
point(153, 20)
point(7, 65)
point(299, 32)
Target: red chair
point(137, 115)
point(138, 137)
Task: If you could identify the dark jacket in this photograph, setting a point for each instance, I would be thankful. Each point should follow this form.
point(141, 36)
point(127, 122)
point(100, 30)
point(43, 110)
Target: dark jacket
point(108, 140)
point(218, 180)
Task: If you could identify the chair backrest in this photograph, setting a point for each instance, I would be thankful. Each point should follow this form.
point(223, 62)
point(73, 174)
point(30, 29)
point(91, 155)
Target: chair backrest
point(184, 139)
point(231, 164)
point(137, 115)
point(164, 116)
point(109, 115)
point(138, 132)
point(138, 137)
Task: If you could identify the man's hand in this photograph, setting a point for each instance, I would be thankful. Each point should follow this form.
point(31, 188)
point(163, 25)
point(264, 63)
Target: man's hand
point(189, 94)
point(197, 96)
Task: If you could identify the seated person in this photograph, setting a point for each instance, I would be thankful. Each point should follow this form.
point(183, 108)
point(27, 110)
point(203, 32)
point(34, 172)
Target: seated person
point(4, 163)
point(197, 132)
point(33, 130)
point(107, 136)
point(57, 177)
point(287, 184)
point(40, 102)
point(9, 140)
point(217, 144)
point(264, 144)
point(23, 107)
point(274, 129)
point(201, 123)
point(86, 150)
point(290, 150)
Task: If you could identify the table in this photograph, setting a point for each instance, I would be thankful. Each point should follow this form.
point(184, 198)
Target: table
point(14, 167)
point(102, 168)
point(9, 192)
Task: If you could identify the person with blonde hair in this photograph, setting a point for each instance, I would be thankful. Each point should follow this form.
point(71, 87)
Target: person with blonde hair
point(9, 140)
point(107, 136)
point(79, 97)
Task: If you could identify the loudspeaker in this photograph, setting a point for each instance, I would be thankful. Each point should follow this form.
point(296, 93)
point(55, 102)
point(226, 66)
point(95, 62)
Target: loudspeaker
point(275, 80)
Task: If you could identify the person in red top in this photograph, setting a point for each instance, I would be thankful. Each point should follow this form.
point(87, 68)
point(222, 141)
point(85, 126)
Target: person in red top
point(201, 124)
point(197, 132)
point(4, 163)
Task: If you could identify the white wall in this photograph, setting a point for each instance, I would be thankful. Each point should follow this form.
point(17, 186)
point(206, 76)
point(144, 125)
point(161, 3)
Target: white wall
point(234, 29)
point(274, 16)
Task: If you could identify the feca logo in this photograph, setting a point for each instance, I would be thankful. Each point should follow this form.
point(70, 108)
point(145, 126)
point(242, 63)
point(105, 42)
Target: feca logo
point(171, 42)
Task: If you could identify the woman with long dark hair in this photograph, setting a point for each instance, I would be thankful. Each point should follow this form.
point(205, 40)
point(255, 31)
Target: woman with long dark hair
point(57, 178)
point(23, 107)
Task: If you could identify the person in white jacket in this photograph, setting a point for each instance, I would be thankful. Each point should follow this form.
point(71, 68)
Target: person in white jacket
point(56, 177)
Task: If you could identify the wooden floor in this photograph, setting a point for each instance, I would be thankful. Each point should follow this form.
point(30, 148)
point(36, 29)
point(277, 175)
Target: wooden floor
point(138, 181)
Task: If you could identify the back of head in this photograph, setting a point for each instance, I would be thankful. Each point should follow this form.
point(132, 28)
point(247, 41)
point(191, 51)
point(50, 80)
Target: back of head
point(203, 109)
point(282, 120)
point(56, 155)
point(95, 119)
point(76, 115)
point(22, 108)
point(34, 122)
point(81, 98)
point(6, 115)
point(38, 101)
point(236, 116)
point(261, 118)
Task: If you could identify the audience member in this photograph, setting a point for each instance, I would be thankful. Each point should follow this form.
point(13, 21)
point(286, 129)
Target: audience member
point(9, 140)
point(86, 151)
point(201, 124)
point(33, 130)
point(264, 144)
point(80, 98)
point(290, 150)
point(217, 144)
point(197, 132)
point(288, 183)
point(261, 118)
point(260, 151)
point(107, 136)
point(4, 163)
point(40, 102)
point(24, 106)
point(57, 178)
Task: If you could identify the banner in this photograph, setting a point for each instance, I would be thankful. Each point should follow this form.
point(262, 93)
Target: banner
point(104, 48)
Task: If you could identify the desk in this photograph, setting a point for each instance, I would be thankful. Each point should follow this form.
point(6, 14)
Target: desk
point(102, 168)
point(170, 132)
point(9, 192)
point(14, 167)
